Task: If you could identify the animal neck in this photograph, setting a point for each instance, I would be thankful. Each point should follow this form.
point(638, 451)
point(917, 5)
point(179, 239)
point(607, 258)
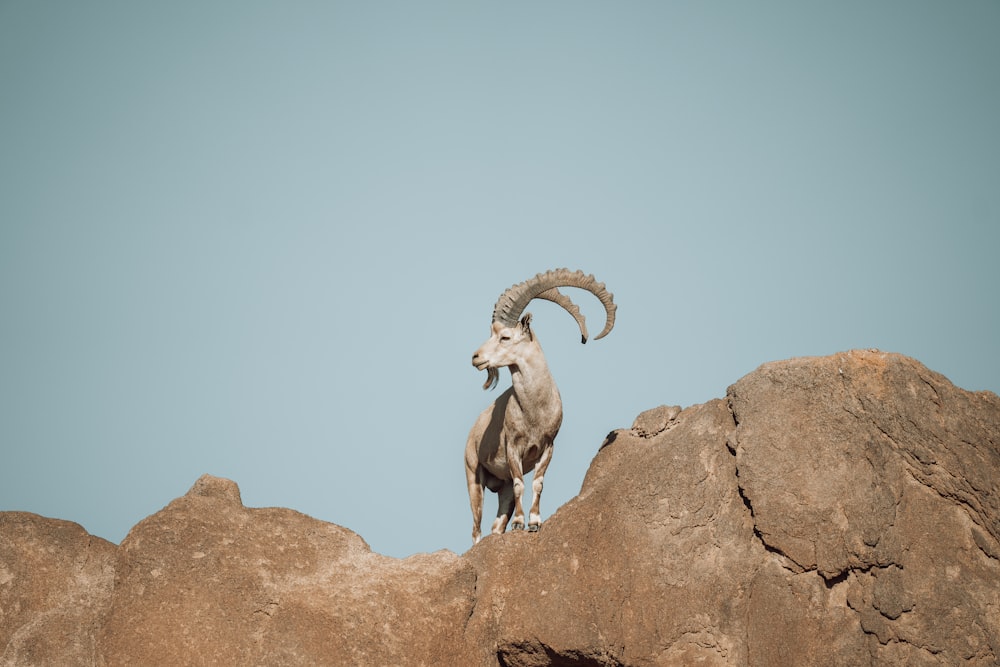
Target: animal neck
point(533, 383)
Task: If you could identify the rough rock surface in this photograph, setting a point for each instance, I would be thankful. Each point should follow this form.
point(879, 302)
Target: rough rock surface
point(882, 478)
point(55, 587)
point(207, 581)
point(842, 510)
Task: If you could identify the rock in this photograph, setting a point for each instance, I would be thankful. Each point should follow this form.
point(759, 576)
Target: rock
point(209, 581)
point(55, 588)
point(648, 565)
point(842, 510)
point(881, 477)
point(655, 421)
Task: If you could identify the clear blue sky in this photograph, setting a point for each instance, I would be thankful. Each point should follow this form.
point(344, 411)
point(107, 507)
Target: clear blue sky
point(262, 240)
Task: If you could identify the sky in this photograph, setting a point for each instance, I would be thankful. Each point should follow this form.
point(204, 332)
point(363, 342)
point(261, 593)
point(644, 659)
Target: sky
point(262, 240)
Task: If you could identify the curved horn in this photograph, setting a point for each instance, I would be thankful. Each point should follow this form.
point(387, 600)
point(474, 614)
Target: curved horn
point(556, 296)
point(512, 303)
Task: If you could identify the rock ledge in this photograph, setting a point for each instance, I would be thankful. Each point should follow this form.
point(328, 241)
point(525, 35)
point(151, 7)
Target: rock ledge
point(828, 511)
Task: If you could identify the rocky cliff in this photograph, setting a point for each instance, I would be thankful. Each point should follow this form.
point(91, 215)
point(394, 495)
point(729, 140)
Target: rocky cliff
point(842, 510)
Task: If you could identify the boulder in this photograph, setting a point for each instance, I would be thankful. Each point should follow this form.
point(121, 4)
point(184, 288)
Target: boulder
point(55, 589)
point(882, 479)
point(207, 581)
point(649, 565)
point(842, 510)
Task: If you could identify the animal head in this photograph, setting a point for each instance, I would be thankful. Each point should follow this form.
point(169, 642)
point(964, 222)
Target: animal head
point(511, 339)
point(506, 346)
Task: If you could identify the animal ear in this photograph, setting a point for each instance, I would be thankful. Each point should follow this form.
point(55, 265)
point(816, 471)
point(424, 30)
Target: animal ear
point(526, 325)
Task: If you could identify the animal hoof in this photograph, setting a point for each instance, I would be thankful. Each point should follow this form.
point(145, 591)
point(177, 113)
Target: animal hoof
point(533, 528)
point(517, 526)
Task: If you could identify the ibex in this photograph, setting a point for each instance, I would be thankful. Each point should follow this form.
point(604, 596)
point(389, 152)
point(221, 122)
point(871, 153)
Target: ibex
point(517, 431)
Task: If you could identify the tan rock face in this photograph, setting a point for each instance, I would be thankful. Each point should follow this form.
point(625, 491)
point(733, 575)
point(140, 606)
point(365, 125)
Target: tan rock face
point(842, 510)
point(208, 581)
point(884, 479)
point(55, 587)
point(645, 566)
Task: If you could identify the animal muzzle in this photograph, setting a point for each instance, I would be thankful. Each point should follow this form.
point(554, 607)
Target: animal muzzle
point(480, 362)
point(483, 364)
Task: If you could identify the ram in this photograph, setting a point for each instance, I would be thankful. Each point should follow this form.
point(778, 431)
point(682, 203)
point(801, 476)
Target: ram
point(517, 431)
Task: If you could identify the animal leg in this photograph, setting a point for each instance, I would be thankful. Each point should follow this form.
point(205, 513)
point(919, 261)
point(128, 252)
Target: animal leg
point(517, 481)
point(537, 481)
point(475, 502)
point(505, 505)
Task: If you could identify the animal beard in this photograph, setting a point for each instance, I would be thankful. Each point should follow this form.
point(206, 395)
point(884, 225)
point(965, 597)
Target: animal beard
point(492, 377)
